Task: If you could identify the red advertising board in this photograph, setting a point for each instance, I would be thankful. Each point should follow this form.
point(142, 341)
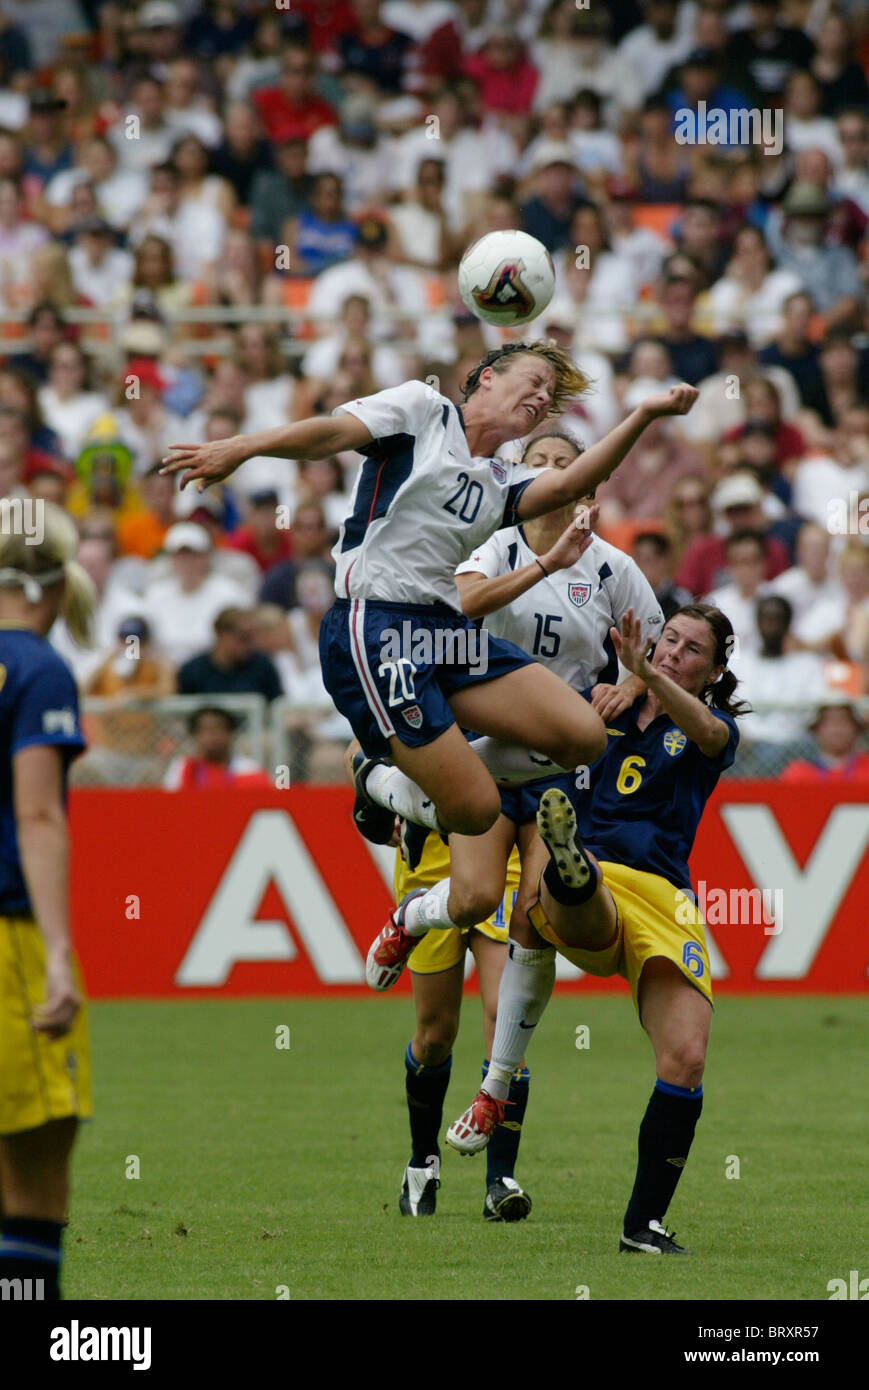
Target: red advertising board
point(241, 892)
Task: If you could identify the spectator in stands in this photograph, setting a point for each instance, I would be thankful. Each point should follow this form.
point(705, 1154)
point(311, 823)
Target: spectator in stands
point(280, 193)
point(823, 483)
point(230, 666)
point(738, 505)
point(260, 536)
point(19, 390)
point(132, 670)
point(69, 406)
point(768, 51)
point(548, 214)
point(421, 235)
point(746, 566)
point(213, 763)
point(195, 231)
point(181, 608)
point(393, 291)
point(829, 273)
point(838, 729)
point(144, 531)
point(793, 349)
point(688, 514)
point(840, 627)
point(154, 135)
point(372, 50)
point(763, 408)
point(269, 387)
point(506, 79)
point(322, 234)
point(311, 540)
point(260, 64)
point(119, 192)
point(653, 553)
point(19, 239)
point(100, 269)
point(242, 152)
point(752, 292)
point(187, 108)
point(804, 126)
point(45, 330)
point(840, 78)
point(693, 356)
point(658, 167)
point(144, 423)
point(699, 235)
point(198, 186)
point(589, 273)
point(655, 47)
point(292, 110)
point(852, 176)
point(47, 150)
point(597, 150)
point(640, 487)
point(845, 374)
point(809, 586)
point(775, 676)
point(154, 272)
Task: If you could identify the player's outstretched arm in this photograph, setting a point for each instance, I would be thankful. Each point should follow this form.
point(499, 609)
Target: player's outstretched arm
point(557, 487)
point(481, 594)
point(317, 438)
point(688, 712)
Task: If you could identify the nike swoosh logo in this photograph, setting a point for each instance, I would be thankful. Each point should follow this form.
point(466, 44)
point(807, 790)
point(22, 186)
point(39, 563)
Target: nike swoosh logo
point(527, 1025)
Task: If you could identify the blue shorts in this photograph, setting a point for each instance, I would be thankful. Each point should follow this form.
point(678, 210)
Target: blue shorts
point(519, 804)
point(391, 668)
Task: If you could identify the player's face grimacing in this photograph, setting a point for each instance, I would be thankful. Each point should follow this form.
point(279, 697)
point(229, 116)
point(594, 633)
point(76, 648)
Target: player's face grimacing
point(522, 395)
point(686, 653)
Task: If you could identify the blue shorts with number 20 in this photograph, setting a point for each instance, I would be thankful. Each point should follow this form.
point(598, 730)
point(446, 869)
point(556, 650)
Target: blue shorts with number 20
point(391, 668)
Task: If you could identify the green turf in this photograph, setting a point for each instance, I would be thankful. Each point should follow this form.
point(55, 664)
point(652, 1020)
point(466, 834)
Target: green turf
point(263, 1168)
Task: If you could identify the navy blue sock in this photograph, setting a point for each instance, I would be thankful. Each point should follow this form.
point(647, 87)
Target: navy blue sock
point(426, 1090)
point(502, 1149)
point(30, 1249)
point(663, 1146)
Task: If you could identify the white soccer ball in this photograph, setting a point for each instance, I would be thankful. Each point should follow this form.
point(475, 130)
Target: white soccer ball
point(506, 278)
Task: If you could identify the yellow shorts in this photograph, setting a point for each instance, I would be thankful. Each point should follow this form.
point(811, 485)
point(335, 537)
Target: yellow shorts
point(441, 950)
point(654, 919)
point(41, 1079)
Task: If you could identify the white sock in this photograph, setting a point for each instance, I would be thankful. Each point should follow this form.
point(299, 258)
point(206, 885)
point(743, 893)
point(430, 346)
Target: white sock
point(511, 763)
point(430, 913)
point(389, 787)
point(526, 986)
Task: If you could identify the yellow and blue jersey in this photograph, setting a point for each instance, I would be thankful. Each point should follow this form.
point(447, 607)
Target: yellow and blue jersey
point(38, 705)
point(647, 793)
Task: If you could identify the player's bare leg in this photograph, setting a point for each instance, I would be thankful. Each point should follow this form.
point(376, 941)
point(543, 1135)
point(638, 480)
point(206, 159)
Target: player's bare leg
point(676, 1017)
point(34, 1200)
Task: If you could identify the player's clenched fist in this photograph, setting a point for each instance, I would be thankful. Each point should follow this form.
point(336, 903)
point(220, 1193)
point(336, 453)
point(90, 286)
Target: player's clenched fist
point(677, 401)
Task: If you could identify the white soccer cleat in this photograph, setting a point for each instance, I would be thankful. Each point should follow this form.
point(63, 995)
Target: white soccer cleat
point(390, 950)
point(419, 1188)
point(473, 1130)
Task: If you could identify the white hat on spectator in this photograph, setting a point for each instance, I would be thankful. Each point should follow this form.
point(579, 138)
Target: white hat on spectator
point(553, 152)
point(186, 535)
point(739, 490)
point(159, 14)
point(191, 500)
point(645, 386)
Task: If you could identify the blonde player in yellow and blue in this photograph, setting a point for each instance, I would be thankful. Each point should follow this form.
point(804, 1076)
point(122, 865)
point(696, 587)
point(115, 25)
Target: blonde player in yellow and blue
point(615, 897)
point(45, 1084)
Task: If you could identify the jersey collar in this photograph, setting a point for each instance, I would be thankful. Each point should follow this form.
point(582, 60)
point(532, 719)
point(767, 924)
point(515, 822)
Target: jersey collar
point(462, 421)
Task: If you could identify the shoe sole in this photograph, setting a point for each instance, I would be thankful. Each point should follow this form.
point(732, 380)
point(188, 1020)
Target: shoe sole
point(380, 826)
point(514, 1207)
point(371, 966)
point(626, 1249)
point(556, 822)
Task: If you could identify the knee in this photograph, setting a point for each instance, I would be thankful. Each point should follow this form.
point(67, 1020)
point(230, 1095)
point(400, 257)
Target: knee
point(472, 816)
point(683, 1064)
point(591, 740)
point(434, 1039)
point(472, 903)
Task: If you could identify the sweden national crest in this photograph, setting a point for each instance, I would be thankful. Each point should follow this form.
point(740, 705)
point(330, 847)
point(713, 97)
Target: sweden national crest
point(579, 594)
point(674, 742)
point(413, 716)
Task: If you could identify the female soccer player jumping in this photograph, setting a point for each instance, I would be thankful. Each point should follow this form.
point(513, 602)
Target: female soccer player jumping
point(616, 898)
point(44, 1050)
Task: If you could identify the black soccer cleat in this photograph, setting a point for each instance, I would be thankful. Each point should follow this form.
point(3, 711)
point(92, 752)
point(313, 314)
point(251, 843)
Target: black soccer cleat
point(652, 1240)
point(505, 1201)
point(419, 1189)
point(374, 823)
point(556, 822)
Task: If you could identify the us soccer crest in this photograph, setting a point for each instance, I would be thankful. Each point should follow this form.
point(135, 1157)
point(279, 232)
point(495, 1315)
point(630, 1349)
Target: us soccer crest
point(674, 742)
point(506, 293)
point(579, 594)
point(413, 716)
point(498, 470)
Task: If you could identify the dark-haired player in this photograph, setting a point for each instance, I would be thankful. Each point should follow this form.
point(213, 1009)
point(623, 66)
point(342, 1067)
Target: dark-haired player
point(616, 898)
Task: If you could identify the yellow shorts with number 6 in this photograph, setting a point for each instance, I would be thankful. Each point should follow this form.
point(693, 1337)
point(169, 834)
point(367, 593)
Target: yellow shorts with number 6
point(41, 1078)
point(654, 919)
point(441, 950)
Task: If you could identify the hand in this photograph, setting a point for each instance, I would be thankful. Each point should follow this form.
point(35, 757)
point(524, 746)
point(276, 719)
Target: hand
point(631, 647)
point(62, 999)
point(678, 401)
point(573, 541)
point(210, 463)
point(610, 700)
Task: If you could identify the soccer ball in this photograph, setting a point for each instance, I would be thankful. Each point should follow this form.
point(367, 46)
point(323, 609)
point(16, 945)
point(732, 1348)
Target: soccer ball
point(506, 278)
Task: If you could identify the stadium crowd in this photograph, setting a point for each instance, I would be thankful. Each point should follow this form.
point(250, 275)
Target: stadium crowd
point(218, 217)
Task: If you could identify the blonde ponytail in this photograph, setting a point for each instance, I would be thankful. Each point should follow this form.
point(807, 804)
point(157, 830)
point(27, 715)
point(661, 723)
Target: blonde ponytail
point(28, 564)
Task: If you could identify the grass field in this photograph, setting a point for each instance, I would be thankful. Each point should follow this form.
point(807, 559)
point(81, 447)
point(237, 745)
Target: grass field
point(261, 1168)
